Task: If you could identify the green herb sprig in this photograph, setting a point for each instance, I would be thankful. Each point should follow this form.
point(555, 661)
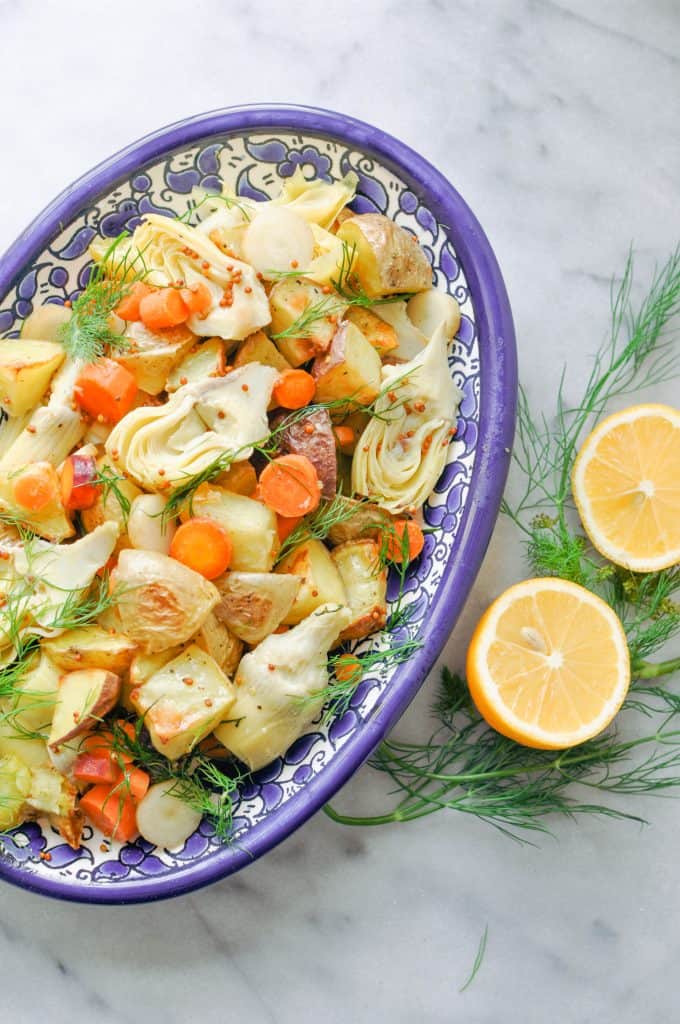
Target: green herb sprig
point(465, 765)
point(348, 285)
point(88, 332)
point(196, 778)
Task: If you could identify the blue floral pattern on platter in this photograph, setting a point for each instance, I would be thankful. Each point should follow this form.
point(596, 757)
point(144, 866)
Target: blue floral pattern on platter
point(254, 165)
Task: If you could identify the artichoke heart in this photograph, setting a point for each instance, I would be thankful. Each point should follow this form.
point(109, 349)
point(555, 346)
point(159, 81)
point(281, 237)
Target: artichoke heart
point(403, 450)
point(173, 251)
point(199, 422)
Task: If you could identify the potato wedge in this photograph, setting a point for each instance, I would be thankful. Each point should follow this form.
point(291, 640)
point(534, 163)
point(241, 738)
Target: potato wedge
point(364, 521)
point(388, 259)
point(251, 525)
point(382, 336)
point(257, 348)
point(50, 522)
point(152, 356)
point(83, 698)
point(206, 360)
point(184, 701)
point(30, 710)
point(15, 785)
point(365, 581)
point(221, 643)
point(26, 369)
point(45, 322)
point(428, 310)
point(350, 369)
point(162, 602)
point(240, 478)
point(90, 647)
point(321, 582)
point(253, 604)
point(289, 300)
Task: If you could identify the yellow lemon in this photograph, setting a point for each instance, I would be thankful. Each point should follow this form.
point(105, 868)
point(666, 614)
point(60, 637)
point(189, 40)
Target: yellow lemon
point(626, 484)
point(548, 664)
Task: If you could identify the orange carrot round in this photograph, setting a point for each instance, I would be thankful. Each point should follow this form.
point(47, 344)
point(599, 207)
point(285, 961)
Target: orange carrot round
point(294, 389)
point(289, 485)
point(106, 389)
point(410, 546)
point(197, 298)
point(286, 524)
point(36, 487)
point(163, 308)
point(204, 546)
point(77, 489)
point(128, 307)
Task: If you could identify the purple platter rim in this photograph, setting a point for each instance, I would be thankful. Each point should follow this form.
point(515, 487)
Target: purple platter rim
point(498, 398)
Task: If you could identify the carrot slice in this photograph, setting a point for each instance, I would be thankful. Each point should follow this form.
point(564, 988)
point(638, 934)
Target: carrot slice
point(198, 298)
point(163, 308)
point(290, 486)
point(204, 546)
point(112, 811)
point(136, 783)
point(286, 524)
point(37, 487)
point(100, 744)
point(77, 491)
point(294, 389)
point(345, 438)
point(106, 389)
point(128, 307)
point(406, 539)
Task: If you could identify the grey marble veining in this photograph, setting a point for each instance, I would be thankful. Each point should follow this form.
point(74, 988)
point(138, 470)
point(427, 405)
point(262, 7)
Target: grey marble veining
point(558, 122)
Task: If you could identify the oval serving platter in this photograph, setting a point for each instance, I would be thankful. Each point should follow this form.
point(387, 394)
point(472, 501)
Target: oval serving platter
point(251, 149)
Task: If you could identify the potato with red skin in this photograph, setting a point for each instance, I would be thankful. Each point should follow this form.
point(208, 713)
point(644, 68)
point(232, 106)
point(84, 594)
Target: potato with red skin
point(387, 258)
point(351, 368)
point(78, 491)
point(83, 698)
point(313, 437)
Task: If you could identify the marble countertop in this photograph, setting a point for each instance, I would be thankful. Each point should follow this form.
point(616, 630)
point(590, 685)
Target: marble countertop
point(558, 122)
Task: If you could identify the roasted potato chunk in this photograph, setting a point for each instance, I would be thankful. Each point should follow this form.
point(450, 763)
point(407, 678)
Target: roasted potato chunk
point(321, 582)
point(257, 348)
point(350, 368)
point(221, 643)
point(387, 258)
point(289, 299)
point(26, 368)
point(90, 647)
point(240, 478)
point(313, 437)
point(152, 356)
point(184, 701)
point(83, 698)
point(365, 581)
point(162, 602)
point(206, 360)
point(250, 524)
point(253, 604)
point(380, 335)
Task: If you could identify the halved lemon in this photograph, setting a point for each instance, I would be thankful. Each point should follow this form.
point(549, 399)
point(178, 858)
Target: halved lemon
point(626, 484)
point(548, 664)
